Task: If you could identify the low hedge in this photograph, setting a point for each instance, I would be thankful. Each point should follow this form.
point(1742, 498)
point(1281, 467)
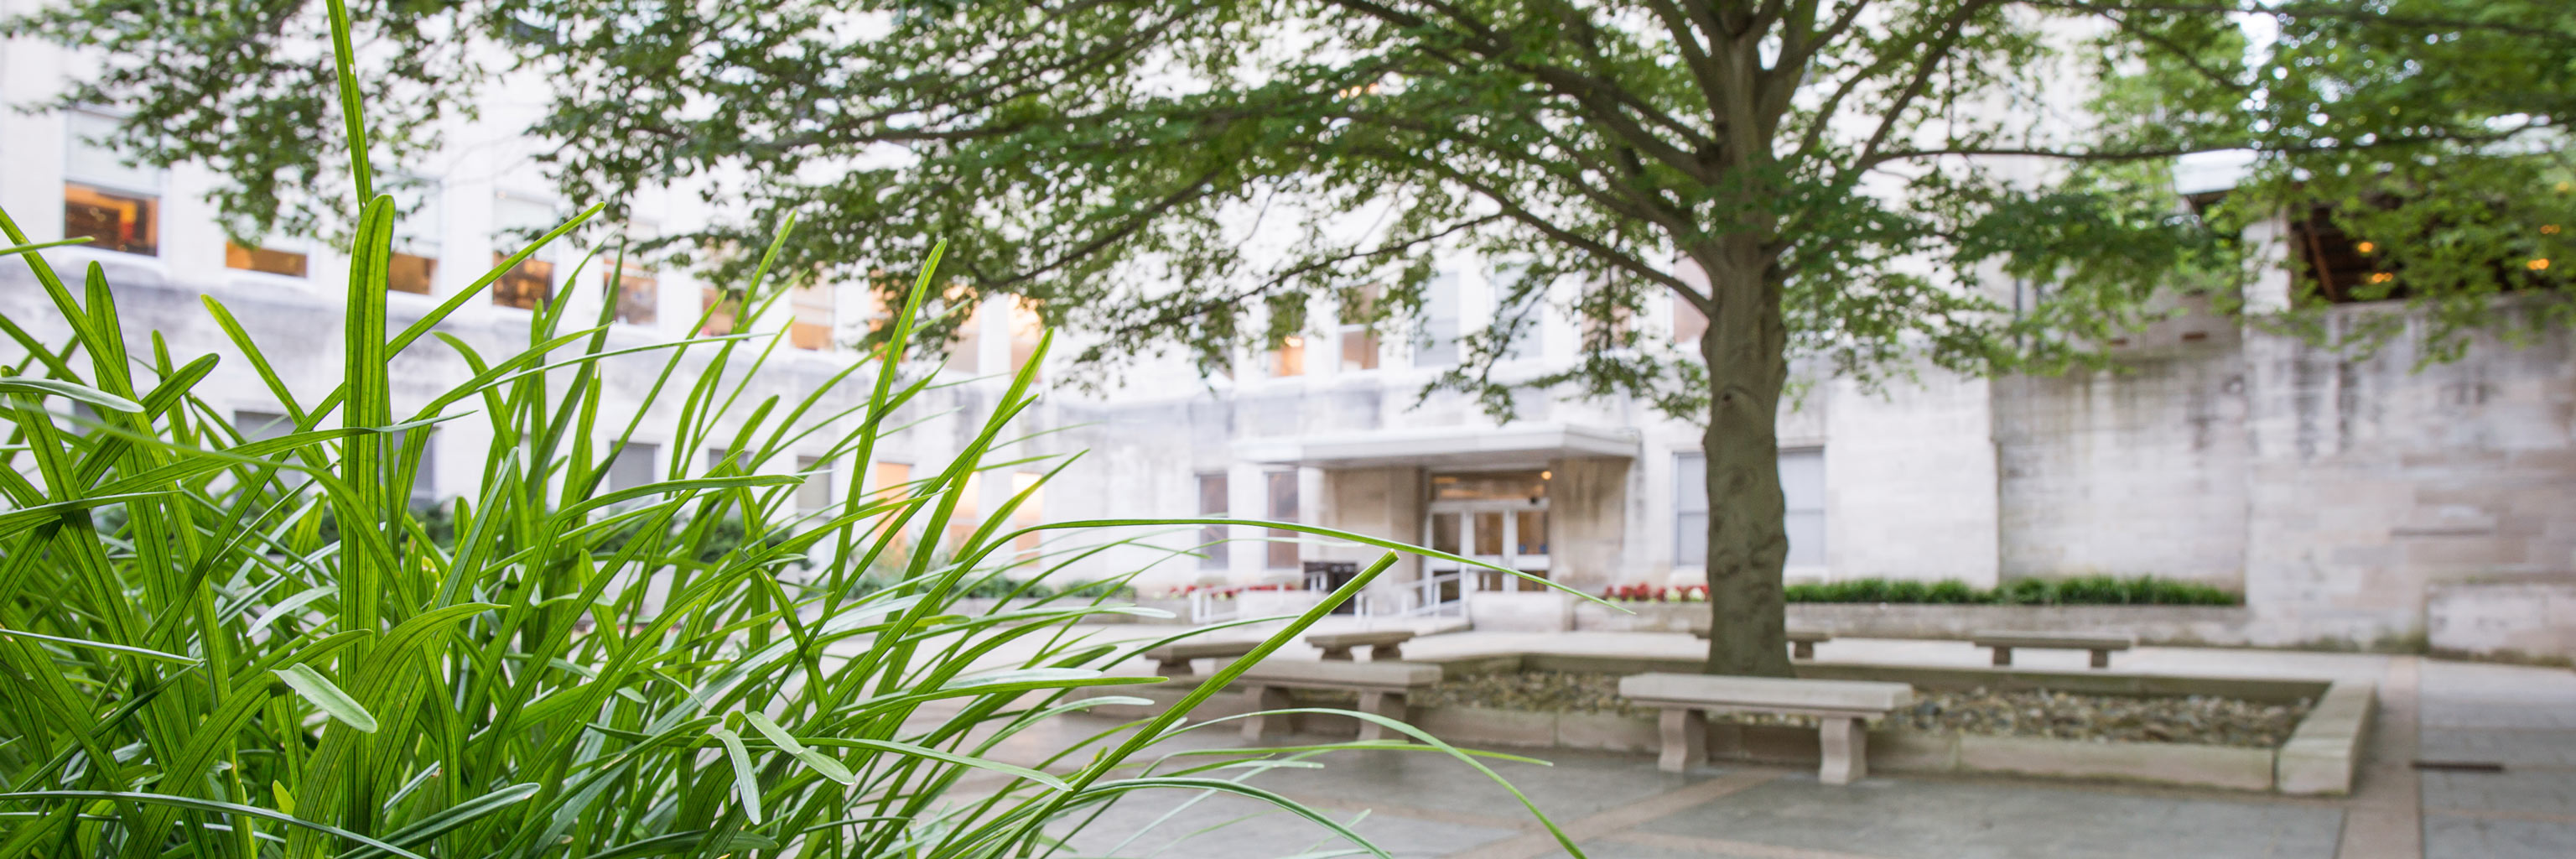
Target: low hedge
point(2090, 590)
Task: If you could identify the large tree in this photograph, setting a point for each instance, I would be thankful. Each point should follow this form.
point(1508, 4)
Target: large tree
point(1830, 180)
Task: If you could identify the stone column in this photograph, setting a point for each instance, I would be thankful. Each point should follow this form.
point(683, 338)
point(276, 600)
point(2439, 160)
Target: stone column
point(1685, 735)
point(1588, 521)
point(1388, 704)
point(1846, 748)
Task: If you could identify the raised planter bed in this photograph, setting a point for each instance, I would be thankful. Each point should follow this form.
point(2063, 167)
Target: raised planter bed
point(2317, 759)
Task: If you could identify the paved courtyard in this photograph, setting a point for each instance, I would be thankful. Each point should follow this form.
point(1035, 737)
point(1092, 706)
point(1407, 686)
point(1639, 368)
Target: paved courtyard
point(1426, 805)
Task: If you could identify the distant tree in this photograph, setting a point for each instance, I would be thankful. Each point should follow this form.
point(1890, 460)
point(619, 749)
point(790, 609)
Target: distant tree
point(1835, 180)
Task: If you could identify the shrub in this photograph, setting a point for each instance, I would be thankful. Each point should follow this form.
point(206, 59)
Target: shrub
point(2092, 590)
point(2026, 592)
point(1950, 591)
point(205, 672)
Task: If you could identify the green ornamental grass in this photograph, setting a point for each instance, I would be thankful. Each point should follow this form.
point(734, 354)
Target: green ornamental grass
point(201, 657)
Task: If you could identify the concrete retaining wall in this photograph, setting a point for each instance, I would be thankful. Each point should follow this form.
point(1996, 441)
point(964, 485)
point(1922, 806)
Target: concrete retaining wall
point(2534, 622)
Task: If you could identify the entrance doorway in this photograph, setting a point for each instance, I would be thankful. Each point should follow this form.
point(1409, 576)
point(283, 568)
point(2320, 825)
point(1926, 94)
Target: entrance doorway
point(1496, 517)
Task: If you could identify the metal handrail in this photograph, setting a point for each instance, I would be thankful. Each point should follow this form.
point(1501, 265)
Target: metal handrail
point(1426, 600)
point(1203, 608)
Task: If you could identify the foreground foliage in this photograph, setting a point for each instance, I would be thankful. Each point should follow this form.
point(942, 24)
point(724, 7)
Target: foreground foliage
point(192, 665)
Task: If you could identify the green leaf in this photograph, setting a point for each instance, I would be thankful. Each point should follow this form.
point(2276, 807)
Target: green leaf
point(746, 780)
point(681, 842)
point(901, 748)
point(452, 818)
point(322, 693)
point(285, 607)
point(208, 805)
point(67, 390)
point(822, 764)
point(146, 653)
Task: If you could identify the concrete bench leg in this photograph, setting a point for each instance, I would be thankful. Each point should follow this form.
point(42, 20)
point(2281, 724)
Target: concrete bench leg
point(1265, 698)
point(2101, 659)
point(1172, 667)
point(1846, 748)
point(1802, 650)
point(1386, 653)
point(1337, 654)
point(1685, 735)
point(2003, 656)
point(1388, 704)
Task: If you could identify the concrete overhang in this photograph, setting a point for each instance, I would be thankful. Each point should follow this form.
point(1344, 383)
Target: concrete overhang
point(1518, 445)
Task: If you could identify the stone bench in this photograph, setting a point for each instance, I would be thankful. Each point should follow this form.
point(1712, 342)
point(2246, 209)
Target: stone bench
point(1802, 642)
point(1173, 660)
point(1838, 705)
point(2003, 643)
point(1383, 688)
point(1384, 646)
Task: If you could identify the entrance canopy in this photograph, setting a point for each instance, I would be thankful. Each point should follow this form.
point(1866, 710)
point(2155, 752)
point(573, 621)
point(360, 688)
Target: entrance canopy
point(1517, 445)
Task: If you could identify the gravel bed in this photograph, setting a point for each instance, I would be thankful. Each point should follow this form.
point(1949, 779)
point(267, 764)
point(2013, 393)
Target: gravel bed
point(2197, 719)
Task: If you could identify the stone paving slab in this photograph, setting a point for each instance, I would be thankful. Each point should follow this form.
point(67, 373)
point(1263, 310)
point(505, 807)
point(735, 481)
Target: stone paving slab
point(1183, 825)
point(1575, 785)
point(1910, 818)
point(2450, 835)
point(2518, 747)
point(2534, 792)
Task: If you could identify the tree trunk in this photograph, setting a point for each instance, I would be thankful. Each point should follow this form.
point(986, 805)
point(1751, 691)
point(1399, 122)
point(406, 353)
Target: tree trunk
point(1748, 545)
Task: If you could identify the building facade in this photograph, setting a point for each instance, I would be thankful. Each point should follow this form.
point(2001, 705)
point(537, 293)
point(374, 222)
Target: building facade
point(2353, 501)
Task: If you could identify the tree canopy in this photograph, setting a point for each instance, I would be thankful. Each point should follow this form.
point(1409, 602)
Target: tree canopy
point(1846, 181)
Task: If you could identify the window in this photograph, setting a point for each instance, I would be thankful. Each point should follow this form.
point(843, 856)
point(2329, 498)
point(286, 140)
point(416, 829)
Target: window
point(264, 259)
point(1439, 343)
point(637, 293)
point(530, 284)
point(417, 233)
point(1026, 328)
point(1600, 334)
point(816, 492)
point(1212, 538)
point(527, 286)
point(1688, 323)
point(890, 476)
point(633, 466)
point(1802, 486)
point(1289, 359)
point(1032, 509)
point(1282, 490)
point(966, 349)
point(721, 309)
point(1359, 336)
point(810, 325)
point(716, 460)
point(424, 481)
point(114, 204)
point(886, 482)
point(970, 509)
point(261, 426)
point(2333, 266)
point(1520, 314)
